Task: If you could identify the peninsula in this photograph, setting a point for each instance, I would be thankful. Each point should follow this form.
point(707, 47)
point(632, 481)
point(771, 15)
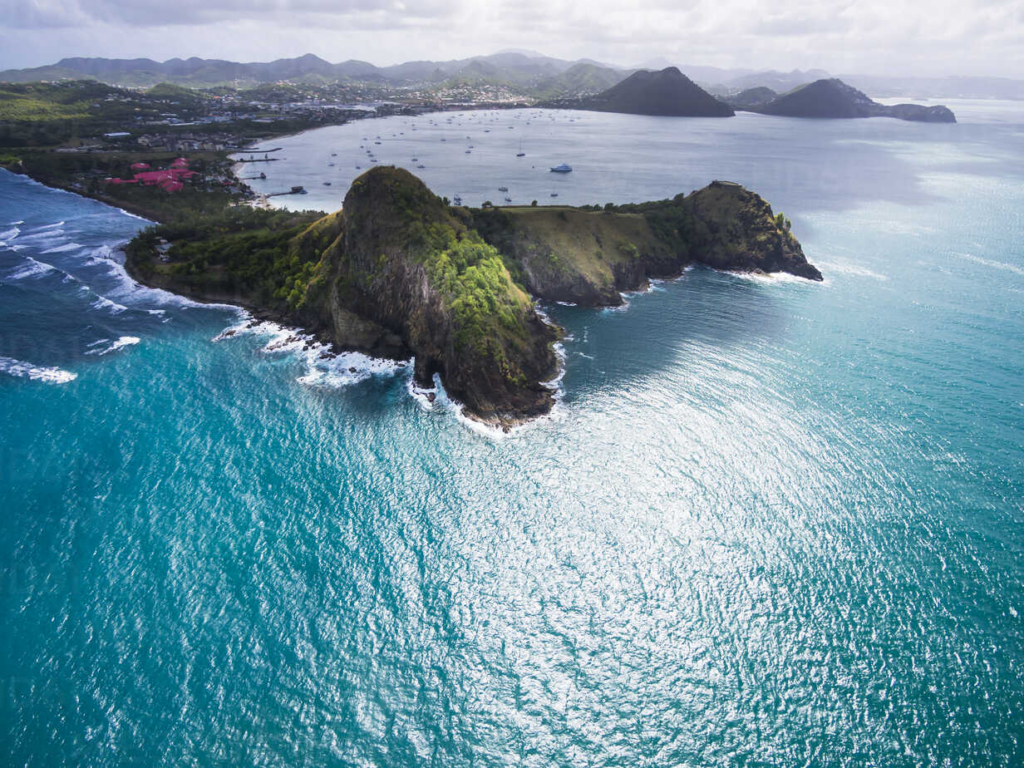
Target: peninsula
point(398, 272)
point(832, 98)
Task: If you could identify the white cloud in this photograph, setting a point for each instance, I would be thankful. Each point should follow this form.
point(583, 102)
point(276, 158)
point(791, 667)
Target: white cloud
point(873, 36)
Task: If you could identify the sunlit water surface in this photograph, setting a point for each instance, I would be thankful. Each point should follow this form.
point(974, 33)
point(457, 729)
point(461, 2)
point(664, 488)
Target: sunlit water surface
point(769, 523)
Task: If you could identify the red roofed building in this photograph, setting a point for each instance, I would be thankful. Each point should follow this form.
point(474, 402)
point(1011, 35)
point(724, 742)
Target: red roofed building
point(149, 178)
point(169, 180)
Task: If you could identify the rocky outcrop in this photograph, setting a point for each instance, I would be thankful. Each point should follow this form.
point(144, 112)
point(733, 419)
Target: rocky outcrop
point(667, 93)
point(732, 228)
point(832, 98)
point(405, 263)
point(922, 114)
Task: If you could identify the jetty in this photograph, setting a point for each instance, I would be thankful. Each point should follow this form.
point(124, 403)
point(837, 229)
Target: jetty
point(296, 190)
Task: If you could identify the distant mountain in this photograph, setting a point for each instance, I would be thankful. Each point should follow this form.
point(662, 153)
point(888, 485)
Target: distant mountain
point(528, 71)
point(583, 79)
point(780, 82)
point(752, 97)
point(668, 92)
point(507, 67)
point(832, 98)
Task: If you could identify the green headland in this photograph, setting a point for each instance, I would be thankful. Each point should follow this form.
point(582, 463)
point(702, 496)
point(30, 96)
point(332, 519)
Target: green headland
point(398, 272)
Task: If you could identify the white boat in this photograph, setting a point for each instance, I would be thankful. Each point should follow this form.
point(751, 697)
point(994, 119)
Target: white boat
point(563, 168)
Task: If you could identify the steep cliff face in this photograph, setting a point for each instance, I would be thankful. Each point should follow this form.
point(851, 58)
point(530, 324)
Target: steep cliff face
point(730, 227)
point(404, 263)
point(568, 254)
point(588, 256)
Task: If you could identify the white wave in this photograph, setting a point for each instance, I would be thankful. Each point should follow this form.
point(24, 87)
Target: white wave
point(63, 248)
point(21, 369)
point(102, 302)
point(7, 235)
point(555, 383)
point(1002, 265)
point(44, 235)
point(649, 288)
point(32, 268)
point(129, 291)
point(345, 369)
point(16, 223)
point(49, 226)
point(323, 367)
point(134, 216)
point(621, 307)
point(769, 278)
point(425, 397)
point(124, 341)
point(855, 270)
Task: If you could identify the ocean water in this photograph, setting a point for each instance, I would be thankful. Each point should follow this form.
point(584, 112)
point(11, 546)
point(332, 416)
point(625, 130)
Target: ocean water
point(769, 523)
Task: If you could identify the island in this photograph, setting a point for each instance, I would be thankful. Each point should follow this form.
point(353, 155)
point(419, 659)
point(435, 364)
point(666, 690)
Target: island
point(666, 93)
point(832, 98)
point(398, 272)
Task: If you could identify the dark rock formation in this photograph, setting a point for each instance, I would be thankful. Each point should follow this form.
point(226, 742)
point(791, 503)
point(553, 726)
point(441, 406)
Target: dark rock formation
point(668, 93)
point(832, 98)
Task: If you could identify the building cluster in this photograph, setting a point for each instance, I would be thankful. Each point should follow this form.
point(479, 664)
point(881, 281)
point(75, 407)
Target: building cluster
point(170, 179)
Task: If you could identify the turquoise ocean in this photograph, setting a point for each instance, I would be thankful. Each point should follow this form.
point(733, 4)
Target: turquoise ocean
point(769, 522)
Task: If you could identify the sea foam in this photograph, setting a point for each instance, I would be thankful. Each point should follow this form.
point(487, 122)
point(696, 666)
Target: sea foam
point(23, 370)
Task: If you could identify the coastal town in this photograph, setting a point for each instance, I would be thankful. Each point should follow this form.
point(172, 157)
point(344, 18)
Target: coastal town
point(139, 147)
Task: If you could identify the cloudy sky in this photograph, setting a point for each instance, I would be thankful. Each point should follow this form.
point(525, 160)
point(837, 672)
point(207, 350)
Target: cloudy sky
point(920, 37)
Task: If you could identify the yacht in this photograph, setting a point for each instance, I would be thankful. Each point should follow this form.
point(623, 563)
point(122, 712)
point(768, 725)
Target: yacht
point(563, 168)
point(503, 189)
